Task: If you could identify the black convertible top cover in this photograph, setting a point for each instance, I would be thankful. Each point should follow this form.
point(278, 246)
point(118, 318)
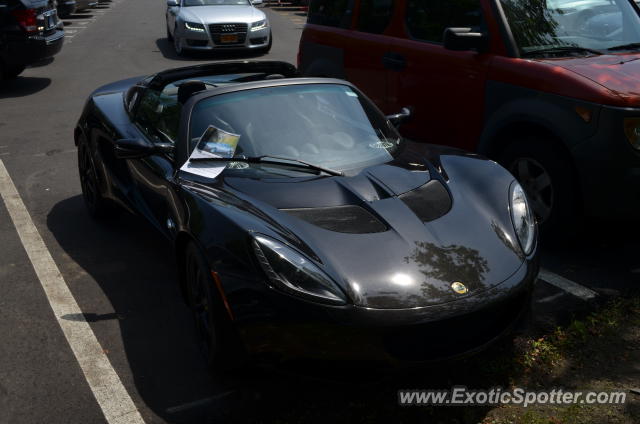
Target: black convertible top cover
point(161, 79)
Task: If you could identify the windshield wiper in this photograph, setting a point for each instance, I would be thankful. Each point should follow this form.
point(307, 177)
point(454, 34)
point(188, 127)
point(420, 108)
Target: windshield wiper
point(562, 49)
point(273, 160)
point(629, 46)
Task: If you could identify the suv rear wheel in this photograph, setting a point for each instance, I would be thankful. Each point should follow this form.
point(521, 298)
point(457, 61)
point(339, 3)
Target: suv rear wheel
point(547, 179)
point(10, 71)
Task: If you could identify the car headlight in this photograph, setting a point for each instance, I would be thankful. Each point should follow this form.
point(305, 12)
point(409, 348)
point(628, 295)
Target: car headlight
point(293, 273)
point(259, 25)
point(632, 131)
point(192, 26)
point(522, 217)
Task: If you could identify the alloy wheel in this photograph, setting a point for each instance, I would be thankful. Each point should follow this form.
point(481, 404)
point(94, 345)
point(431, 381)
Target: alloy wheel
point(88, 179)
point(201, 305)
point(537, 183)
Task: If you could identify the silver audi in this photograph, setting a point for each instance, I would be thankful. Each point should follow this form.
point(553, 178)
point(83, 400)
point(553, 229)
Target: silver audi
point(217, 25)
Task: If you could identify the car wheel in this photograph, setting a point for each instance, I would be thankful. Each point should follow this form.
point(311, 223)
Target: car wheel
point(215, 334)
point(97, 206)
point(10, 71)
point(267, 49)
point(546, 178)
point(177, 44)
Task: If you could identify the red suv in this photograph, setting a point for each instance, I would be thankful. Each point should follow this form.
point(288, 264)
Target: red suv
point(550, 88)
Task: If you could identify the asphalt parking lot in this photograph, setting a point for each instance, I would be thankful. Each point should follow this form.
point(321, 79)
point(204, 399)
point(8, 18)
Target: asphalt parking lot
point(122, 275)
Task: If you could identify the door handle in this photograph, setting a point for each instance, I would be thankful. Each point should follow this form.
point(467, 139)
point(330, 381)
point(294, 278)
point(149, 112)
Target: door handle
point(394, 61)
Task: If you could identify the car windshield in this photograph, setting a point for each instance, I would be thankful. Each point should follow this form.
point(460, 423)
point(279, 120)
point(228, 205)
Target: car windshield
point(329, 125)
point(215, 2)
point(572, 27)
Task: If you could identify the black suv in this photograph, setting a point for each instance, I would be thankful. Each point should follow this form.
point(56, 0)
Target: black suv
point(29, 31)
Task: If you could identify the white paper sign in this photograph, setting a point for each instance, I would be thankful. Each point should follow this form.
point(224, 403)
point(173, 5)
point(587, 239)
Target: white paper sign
point(214, 143)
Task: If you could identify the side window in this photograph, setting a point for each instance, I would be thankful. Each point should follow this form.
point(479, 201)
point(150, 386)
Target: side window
point(334, 13)
point(427, 19)
point(375, 15)
point(158, 115)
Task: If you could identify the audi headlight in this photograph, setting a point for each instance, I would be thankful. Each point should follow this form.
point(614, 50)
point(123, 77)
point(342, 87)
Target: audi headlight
point(522, 217)
point(293, 273)
point(192, 26)
point(259, 25)
point(632, 131)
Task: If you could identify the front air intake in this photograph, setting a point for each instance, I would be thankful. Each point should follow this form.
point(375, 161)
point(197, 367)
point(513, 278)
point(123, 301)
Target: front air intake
point(348, 219)
point(428, 202)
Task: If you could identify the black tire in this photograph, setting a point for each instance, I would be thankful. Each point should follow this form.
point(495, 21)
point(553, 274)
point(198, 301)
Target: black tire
point(267, 49)
point(8, 72)
point(177, 45)
point(169, 36)
point(216, 336)
point(547, 178)
point(96, 205)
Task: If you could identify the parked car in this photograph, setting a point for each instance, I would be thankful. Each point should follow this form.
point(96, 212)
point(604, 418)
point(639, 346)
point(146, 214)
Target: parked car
point(29, 32)
point(208, 25)
point(85, 4)
point(324, 234)
point(548, 88)
point(66, 8)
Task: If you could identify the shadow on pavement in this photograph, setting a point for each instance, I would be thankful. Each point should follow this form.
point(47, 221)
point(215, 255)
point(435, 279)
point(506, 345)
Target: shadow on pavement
point(22, 86)
point(166, 48)
point(135, 269)
point(43, 62)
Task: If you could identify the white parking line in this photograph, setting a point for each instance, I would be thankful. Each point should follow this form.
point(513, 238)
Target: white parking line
point(115, 402)
point(197, 403)
point(567, 285)
point(550, 298)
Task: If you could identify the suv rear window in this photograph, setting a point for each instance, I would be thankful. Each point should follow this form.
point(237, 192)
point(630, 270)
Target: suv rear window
point(334, 13)
point(375, 15)
point(427, 19)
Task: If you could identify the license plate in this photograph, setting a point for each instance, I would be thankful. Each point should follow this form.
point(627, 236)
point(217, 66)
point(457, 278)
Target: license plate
point(228, 38)
point(50, 20)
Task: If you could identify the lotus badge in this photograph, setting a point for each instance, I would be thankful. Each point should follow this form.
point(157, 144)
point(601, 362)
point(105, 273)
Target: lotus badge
point(459, 288)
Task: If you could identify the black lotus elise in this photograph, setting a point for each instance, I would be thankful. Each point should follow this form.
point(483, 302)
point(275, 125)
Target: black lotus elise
point(303, 224)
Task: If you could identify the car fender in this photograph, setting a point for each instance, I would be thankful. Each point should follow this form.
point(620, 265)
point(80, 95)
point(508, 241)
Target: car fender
point(511, 108)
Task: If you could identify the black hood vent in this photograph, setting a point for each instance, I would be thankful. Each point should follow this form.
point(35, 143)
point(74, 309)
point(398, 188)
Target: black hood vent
point(429, 202)
point(348, 219)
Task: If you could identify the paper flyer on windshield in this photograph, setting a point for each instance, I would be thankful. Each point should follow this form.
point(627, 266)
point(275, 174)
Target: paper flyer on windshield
point(214, 143)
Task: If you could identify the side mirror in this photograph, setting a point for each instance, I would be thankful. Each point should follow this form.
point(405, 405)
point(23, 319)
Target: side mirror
point(173, 3)
point(461, 39)
point(399, 118)
point(133, 148)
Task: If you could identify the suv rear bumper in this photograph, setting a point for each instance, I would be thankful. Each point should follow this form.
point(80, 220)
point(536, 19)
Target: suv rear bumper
point(33, 48)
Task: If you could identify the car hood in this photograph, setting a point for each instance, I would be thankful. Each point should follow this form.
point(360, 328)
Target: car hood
point(221, 14)
point(619, 73)
point(412, 259)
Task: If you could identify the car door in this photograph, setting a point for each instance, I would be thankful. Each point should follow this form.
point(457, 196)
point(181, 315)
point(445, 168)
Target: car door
point(154, 192)
point(444, 88)
point(368, 60)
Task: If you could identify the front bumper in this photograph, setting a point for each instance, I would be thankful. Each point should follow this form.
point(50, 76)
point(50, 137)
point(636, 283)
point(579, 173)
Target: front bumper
point(25, 50)
point(206, 41)
point(286, 328)
point(609, 168)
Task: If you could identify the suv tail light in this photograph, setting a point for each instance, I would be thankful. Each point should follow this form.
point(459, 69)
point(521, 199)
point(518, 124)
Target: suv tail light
point(28, 19)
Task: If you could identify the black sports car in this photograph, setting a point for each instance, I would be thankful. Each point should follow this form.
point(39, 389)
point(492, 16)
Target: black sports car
point(302, 222)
